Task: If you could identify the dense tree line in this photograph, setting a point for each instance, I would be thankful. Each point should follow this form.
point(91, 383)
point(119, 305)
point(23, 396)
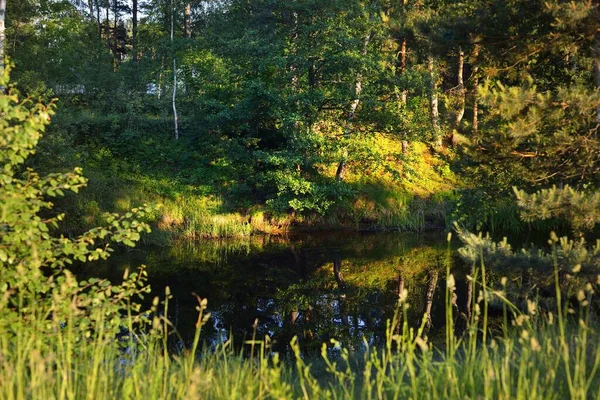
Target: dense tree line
point(285, 97)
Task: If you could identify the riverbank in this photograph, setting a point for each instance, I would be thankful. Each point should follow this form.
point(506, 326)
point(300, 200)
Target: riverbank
point(414, 193)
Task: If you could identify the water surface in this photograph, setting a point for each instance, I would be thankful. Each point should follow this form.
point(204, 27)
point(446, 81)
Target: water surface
point(318, 287)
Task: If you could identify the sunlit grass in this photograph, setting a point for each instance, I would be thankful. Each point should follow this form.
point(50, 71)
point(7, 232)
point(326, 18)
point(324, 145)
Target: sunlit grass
point(410, 193)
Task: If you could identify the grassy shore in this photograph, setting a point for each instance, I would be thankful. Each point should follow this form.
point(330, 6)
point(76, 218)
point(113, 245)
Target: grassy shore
point(421, 200)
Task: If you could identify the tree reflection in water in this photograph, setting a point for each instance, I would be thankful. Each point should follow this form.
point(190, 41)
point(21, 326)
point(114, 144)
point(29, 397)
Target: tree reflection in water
point(287, 285)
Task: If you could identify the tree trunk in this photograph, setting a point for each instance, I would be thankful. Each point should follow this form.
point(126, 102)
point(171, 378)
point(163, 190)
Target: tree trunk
point(405, 147)
point(91, 7)
point(341, 169)
point(460, 89)
point(99, 20)
point(2, 35)
point(134, 30)
point(400, 285)
point(403, 93)
point(470, 286)
point(400, 290)
point(337, 273)
point(475, 79)
point(435, 115)
point(107, 26)
point(115, 43)
point(597, 68)
point(433, 278)
point(175, 118)
point(160, 79)
point(293, 65)
point(187, 20)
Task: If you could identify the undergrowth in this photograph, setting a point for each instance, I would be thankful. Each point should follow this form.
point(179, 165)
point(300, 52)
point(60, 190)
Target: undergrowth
point(381, 201)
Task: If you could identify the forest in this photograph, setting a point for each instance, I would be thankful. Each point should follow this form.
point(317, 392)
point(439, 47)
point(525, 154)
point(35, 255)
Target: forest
point(319, 172)
point(371, 115)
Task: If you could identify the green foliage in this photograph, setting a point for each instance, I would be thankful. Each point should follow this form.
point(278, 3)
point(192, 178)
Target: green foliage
point(501, 256)
point(37, 294)
point(570, 256)
point(548, 132)
point(58, 336)
point(266, 97)
point(580, 209)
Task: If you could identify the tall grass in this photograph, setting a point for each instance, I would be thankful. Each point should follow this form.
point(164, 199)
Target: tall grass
point(183, 214)
point(535, 354)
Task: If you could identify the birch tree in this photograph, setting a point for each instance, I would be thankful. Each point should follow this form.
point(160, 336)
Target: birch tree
point(175, 117)
point(187, 20)
point(460, 88)
point(433, 102)
point(475, 80)
point(402, 59)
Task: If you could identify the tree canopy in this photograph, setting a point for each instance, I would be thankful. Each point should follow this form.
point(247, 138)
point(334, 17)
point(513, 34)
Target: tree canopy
point(295, 106)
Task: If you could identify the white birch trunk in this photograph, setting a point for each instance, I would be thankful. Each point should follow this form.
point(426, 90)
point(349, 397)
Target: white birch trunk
point(175, 119)
point(403, 94)
point(294, 72)
point(400, 292)
point(401, 56)
point(460, 88)
point(475, 78)
point(433, 279)
point(187, 20)
point(160, 81)
point(435, 115)
point(293, 65)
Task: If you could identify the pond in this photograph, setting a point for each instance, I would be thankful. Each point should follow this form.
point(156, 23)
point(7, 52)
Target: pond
point(342, 286)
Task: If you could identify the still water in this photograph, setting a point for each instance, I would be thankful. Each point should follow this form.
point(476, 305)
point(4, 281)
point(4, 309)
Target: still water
point(317, 287)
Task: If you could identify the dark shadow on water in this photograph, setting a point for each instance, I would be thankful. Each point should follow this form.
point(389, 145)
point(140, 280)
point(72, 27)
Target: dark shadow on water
point(342, 286)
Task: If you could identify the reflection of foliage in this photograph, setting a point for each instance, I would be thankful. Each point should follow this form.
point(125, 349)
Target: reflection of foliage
point(289, 284)
point(368, 297)
point(425, 258)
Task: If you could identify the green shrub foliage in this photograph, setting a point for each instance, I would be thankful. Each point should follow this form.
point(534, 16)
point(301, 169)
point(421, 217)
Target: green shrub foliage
point(35, 287)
